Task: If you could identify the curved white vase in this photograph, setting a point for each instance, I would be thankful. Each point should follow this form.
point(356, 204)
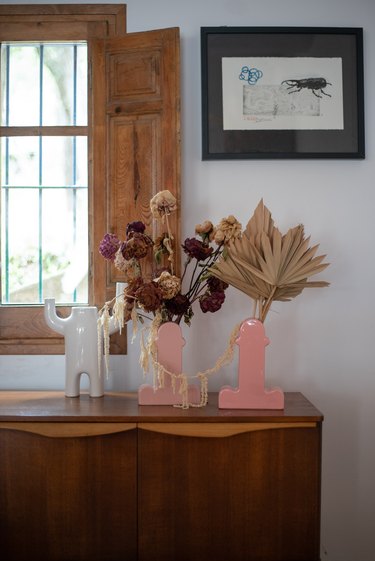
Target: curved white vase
point(81, 346)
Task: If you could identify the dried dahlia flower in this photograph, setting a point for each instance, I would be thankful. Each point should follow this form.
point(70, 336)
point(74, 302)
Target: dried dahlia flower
point(196, 249)
point(149, 296)
point(136, 226)
point(211, 302)
point(137, 246)
point(227, 230)
point(178, 305)
point(131, 289)
point(204, 229)
point(216, 285)
point(109, 245)
point(163, 203)
point(170, 285)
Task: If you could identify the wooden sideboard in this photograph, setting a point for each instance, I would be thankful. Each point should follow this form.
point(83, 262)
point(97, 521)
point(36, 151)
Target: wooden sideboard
point(86, 479)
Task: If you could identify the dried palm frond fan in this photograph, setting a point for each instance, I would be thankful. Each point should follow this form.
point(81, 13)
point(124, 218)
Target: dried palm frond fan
point(268, 266)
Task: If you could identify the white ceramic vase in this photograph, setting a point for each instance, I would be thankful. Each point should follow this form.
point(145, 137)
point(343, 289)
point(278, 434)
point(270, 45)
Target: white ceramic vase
point(81, 346)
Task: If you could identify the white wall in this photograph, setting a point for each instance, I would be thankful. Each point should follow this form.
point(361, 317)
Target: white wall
point(322, 342)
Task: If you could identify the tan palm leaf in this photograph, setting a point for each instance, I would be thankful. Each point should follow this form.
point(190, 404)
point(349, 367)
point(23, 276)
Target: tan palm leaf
point(268, 266)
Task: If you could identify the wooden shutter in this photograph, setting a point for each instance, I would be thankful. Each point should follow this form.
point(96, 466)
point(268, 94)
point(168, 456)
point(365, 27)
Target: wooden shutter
point(136, 131)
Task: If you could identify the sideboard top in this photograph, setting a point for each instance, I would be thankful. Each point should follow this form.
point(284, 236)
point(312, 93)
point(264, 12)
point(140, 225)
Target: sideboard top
point(53, 406)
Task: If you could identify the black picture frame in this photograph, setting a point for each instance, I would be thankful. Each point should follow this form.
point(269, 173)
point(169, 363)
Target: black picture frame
point(284, 48)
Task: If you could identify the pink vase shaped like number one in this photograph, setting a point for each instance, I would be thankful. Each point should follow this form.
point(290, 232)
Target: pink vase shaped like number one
point(251, 393)
point(169, 345)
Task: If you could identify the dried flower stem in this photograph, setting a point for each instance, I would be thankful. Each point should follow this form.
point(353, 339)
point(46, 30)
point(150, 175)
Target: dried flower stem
point(169, 245)
point(266, 306)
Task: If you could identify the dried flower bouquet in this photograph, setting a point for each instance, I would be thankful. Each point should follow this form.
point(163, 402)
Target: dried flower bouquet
point(163, 294)
point(260, 261)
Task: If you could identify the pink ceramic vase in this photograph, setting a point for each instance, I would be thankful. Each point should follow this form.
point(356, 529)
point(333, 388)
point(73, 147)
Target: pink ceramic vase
point(251, 392)
point(169, 344)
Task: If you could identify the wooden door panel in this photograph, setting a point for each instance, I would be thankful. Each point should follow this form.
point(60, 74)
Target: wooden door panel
point(68, 499)
point(253, 496)
point(134, 175)
point(134, 74)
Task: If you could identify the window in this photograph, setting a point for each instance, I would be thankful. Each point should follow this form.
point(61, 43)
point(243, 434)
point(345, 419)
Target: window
point(44, 180)
point(132, 147)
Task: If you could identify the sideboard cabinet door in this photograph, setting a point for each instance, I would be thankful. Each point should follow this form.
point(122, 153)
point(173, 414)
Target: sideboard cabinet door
point(67, 498)
point(248, 496)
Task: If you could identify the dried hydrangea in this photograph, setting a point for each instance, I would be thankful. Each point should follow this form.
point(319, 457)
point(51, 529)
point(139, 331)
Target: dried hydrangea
point(228, 229)
point(170, 285)
point(109, 246)
point(129, 267)
point(196, 249)
point(162, 204)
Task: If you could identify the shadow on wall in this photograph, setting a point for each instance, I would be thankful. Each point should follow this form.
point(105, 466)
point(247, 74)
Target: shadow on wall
point(340, 476)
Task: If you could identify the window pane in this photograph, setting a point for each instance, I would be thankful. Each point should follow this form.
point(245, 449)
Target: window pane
point(64, 85)
point(20, 161)
point(44, 219)
point(20, 245)
point(44, 84)
point(48, 257)
point(20, 91)
point(82, 73)
point(64, 161)
point(65, 245)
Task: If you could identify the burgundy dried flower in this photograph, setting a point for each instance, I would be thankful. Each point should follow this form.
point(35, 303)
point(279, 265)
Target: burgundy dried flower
point(149, 296)
point(197, 249)
point(136, 247)
point(109, 245)
point(136, 226)
point(211, 302)
point(178, 305)
point(132, 288)
point(216, 285)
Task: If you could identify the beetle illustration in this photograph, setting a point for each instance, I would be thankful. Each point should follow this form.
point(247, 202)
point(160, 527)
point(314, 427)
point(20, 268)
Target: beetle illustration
point(309, 83)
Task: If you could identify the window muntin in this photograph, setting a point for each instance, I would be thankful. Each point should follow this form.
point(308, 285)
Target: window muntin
point(44, 183)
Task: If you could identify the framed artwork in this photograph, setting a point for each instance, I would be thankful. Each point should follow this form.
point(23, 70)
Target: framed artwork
point(279, 92)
